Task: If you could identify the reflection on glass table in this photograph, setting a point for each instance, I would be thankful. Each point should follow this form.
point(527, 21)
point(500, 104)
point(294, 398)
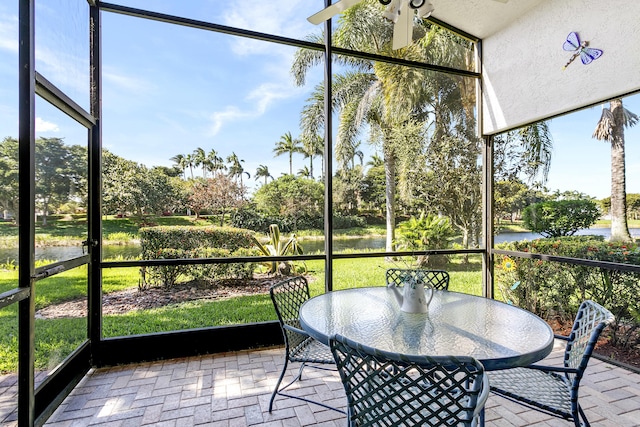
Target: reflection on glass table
point(499, 335)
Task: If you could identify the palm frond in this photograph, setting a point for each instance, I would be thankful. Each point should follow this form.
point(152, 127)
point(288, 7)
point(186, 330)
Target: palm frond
point(630, 119)
point(604, 128)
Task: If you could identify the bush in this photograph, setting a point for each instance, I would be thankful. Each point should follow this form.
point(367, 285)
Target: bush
point(250, 219)
point(555, 218)
point(347, 221)
point(423, 233)
point(154, 239)
point(195, 242)
point(166, 275)
point(223, 271)
point(555, 290)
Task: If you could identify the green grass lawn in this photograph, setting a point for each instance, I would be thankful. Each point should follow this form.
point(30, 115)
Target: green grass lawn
point(606, 223)
point(67, 230)
point(70, 230)
point(57, 338)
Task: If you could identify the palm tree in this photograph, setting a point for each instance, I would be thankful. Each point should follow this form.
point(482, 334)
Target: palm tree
point(262, 172)
point(381, 97)
point(215, 163)
point(236, 170)
point(288, 145)
point(312, 145)
point(199, 158)
point(610, 128)
point(179, 160)
point(305, 172)
point(346, 154)
point(524, 153)
point(189, 162)
point(375, 161)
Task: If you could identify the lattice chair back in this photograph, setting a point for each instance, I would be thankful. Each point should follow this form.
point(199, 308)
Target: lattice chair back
point(591, 319)
point(437, 279)
point(288, 296)
point(390, 389)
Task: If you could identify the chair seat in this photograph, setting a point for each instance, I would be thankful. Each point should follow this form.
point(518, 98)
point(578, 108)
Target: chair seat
point(311, 351)
point(545, 390)
point(387, 389)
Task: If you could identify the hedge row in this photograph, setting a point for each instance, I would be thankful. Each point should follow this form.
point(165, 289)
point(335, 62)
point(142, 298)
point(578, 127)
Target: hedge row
point(554, 290)
point(195, 242)
point(170, 274)
point(155, 239)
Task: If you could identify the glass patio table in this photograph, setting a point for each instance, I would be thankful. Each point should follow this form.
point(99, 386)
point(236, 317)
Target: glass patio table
point(499, 335)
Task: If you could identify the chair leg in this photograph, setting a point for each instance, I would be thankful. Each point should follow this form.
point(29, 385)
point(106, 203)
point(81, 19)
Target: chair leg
point(582, 415)
point(275, 390)
point(299, 376)
point(280, 391)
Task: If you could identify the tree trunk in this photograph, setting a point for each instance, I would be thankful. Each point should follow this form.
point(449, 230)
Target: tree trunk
point(45, 211)
point(390, 193)
point(619, 226)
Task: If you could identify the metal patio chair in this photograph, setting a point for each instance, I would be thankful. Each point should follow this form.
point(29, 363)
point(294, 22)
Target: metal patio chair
point(389, 389)
point(554, 390)
point(437, 279)
point(287, 296)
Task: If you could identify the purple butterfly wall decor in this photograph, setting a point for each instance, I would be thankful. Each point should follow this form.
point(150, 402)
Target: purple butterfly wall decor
point(587, 54)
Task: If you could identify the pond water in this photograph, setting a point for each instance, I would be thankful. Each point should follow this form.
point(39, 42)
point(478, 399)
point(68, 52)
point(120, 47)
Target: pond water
point(378, 242)
point(56, 253)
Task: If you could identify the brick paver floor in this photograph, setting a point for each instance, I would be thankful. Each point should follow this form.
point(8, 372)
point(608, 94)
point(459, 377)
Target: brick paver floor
point(233, 389)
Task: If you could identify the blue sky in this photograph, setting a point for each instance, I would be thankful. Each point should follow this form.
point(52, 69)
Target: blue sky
point(169, 89)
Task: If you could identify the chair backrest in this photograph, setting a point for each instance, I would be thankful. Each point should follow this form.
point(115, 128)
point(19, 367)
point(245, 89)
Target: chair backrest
point(288, 296)
point(390, 389)
point(437, 279)
point(591, 319)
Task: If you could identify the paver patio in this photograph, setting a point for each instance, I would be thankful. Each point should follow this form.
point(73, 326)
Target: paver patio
point(233, 389)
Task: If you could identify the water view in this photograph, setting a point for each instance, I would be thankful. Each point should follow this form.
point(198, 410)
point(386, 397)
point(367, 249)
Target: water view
point(57, 253)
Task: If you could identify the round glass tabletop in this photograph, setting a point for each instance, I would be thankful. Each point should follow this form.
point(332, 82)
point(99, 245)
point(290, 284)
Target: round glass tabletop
point(501, 336)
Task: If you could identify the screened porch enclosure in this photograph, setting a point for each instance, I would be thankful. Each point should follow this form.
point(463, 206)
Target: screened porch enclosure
point(102, 71)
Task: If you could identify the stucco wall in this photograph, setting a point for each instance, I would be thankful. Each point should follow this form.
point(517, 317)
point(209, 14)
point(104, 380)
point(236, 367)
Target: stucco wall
point(522, 64)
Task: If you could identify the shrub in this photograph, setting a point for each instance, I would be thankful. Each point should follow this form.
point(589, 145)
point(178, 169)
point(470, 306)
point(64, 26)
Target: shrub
point(166, 275)
point(279, 247)
point(555, 290)
point(195, 242)
point(249, 218)
point(154, 239)
point(555, 218)
point(426, 232)
point(222, 271)
point(120, 237)
point(347, 221)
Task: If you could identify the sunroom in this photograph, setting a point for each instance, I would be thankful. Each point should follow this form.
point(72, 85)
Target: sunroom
point(419, 120)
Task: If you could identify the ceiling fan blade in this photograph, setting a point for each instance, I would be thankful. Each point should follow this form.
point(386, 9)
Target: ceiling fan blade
point(403, 28)
point(331, 11)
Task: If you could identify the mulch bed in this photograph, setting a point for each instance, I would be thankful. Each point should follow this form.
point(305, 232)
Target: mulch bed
point(626, 357)
point(133, 299)
point(161, 296)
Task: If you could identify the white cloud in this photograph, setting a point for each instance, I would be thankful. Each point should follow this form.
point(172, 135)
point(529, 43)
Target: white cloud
point(9, 33)
point(267, 93)
point(60, 60)
point(260, 99)
point(229, 114)
point(127, 83)
point(280, 17)
point(43, 126)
